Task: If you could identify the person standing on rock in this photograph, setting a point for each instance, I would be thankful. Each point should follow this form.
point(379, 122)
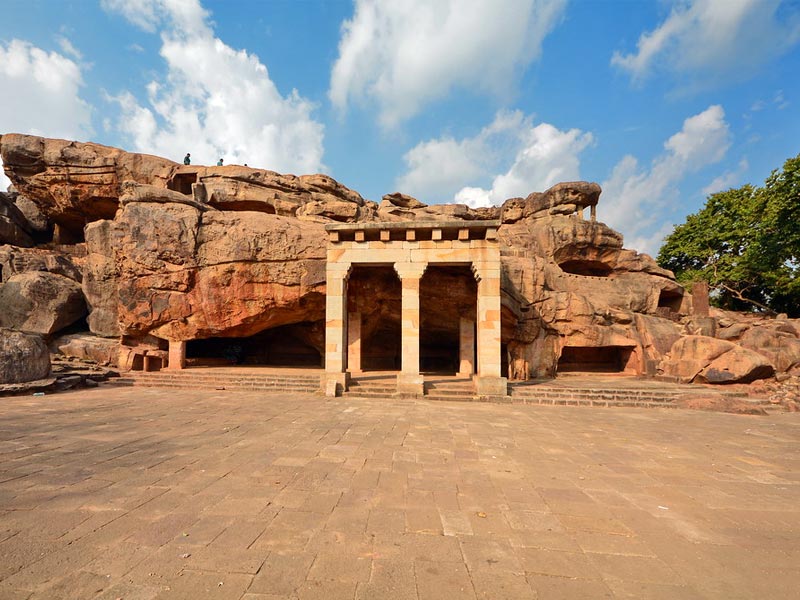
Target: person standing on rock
point(187, 160)
point(219, 162)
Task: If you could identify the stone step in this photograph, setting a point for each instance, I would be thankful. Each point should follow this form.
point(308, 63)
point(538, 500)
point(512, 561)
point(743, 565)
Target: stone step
point(215, 376)
point(226, 381)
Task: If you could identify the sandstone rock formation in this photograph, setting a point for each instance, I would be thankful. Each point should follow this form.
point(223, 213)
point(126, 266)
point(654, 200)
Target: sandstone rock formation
point(40, 302)
point(710, 360)
point(23, 357)
point(234, 257)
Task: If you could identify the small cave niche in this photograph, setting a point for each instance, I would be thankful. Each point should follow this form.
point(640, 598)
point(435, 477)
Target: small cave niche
point(285, 346)
point(585, 267)
point(670, 301)
point(600, 359)
point(182, 183)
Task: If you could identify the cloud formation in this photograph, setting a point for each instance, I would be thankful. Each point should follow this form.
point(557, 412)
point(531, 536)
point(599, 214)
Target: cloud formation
point(404, 55)
point(214, 101)
point(635, 199)
point(531, 157)
point(714, 38)
point(40, 95)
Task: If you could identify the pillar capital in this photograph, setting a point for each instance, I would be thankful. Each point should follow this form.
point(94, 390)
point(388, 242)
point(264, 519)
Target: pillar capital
point(410, 270)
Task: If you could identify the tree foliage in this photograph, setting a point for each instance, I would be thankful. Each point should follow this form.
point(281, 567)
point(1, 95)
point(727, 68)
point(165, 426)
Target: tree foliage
point(745, 243)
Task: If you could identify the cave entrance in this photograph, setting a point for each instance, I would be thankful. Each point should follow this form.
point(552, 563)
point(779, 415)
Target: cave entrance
point(601, 359)
point(295, 345)
point(670, 300)
point(448, 302)
point(374, 294)
point(182, 183)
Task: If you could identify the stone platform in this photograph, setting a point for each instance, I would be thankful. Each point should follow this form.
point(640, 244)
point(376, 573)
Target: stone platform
point(146, 493)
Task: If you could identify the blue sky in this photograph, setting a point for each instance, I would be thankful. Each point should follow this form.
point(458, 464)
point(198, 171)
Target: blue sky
point(452, 100)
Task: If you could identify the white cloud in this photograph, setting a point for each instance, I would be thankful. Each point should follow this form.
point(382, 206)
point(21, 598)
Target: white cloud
point(532, 158)
point(403, 55)
point(727, 180)
point(39, 93)
point(708, 38)
point(68, 48)
point(635, 199)
point(215, 101)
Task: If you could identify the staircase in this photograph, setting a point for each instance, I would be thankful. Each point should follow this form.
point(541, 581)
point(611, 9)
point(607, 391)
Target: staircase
point(580, 395)
point(227, 378)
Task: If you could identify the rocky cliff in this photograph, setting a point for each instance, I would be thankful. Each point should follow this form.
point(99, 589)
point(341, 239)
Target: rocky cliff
point(143, 250)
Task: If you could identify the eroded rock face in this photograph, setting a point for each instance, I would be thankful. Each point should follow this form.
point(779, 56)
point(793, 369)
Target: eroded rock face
point(15, 260)
point(709, 360)
point(183, 273)
point(178, 252)
point(23, 357)
point(14, 227)
point(40, 302)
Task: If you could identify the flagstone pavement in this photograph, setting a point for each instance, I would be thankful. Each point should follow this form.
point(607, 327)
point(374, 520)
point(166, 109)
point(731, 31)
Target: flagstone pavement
point(141, 493)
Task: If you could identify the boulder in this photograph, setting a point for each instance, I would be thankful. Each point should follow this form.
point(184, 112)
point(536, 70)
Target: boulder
point(781, 348)
point(85, 346)
point(40, 302)
point(23, 357)
point(710, 360)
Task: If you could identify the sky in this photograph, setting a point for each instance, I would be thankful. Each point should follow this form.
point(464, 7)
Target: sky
point(471, 101)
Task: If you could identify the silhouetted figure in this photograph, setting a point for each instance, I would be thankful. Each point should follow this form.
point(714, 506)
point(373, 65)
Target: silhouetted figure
point(187, 160)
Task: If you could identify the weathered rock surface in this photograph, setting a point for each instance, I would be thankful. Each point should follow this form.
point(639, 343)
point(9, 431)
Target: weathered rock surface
point(40, 302)
point(190, 252)
point(82, 346)
point(23, 357)
point(183, 273)
point(14, 227)
point(709, 360)
point(14, 261)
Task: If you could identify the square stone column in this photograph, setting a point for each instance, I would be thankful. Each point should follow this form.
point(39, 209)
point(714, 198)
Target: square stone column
point(466, 347)
point(354, 342)
point(489, 381)
point(177, 355)
point(409, 380)
point(335, 328)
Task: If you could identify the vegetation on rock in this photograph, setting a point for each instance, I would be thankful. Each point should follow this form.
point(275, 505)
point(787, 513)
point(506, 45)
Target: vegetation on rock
point(745, 243)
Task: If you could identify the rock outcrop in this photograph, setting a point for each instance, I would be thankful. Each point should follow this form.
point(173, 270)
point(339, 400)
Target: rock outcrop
point(164, 251)
point(40, 302)
point(709, 360)
point(23, 357)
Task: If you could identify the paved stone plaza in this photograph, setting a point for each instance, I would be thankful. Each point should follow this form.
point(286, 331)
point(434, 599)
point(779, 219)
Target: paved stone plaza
point(145, 493)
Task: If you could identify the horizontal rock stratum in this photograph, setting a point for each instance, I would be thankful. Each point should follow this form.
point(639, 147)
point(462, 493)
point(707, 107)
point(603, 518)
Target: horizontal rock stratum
point(234, 257)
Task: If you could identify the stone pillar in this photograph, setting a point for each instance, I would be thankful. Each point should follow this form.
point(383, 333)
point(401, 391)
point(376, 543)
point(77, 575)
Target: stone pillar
point(354, 342)
point(335, 328)
point(466, 348)
point(177, 355)
point(700, 307)
point(593, 212)
point(489, 381)
point(409, 380)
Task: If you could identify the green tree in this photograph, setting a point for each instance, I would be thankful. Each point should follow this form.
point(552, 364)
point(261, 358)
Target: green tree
point(745, 243)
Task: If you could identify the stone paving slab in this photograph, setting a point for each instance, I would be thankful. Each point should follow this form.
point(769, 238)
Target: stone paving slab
point(140, 493)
